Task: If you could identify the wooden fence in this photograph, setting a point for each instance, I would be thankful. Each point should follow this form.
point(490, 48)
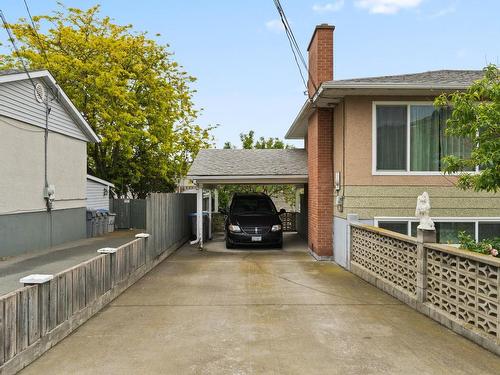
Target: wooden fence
point(167, 220)
point(35, 317)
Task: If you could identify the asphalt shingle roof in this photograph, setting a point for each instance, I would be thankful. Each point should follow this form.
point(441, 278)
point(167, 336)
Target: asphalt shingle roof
point(432, 78)
point(262, 162)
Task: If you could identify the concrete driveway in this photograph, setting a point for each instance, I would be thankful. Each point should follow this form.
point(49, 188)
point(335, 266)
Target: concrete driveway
point(260, 312)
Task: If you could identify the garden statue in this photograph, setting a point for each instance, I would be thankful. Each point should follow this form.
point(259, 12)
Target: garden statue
point(422, 211)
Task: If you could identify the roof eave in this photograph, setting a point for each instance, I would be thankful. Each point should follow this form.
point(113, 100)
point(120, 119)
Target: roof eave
point(406, 86)
point(294, 132)
point(250, 179)
point(65, 101)
point(298, 129)
point(99, 180)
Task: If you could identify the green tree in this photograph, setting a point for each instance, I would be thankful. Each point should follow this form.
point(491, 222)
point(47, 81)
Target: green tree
point(248, 142)
point(129, 89)
point(476, 116)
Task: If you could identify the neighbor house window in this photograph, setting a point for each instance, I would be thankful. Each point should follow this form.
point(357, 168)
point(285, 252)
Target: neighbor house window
point(447, 229)
point(411, 138)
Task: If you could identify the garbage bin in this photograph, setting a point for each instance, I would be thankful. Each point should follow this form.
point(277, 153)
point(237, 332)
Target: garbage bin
point(193, 225)
point(90, 223)
point(103, 221)
point(111, 222)
point(98, 224)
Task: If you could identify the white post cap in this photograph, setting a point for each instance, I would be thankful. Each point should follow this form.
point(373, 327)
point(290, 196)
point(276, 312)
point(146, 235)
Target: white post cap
point(36, 279)
point(142, 235)
point(107, 250)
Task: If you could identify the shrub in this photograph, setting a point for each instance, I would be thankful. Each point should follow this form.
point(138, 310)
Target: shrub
point(487, 246)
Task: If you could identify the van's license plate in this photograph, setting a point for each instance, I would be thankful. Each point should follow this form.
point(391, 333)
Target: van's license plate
point(256, 238)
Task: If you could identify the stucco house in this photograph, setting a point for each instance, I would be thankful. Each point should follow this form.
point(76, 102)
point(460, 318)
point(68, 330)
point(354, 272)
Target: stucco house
point(44, 170)
point(373, 145)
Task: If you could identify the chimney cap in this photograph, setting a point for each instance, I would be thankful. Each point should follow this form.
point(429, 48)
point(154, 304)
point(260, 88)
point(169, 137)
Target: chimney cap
point(319, 27)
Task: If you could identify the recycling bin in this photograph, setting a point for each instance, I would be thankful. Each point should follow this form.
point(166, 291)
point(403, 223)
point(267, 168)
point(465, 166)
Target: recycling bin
point(193, 220)
point(111, 222)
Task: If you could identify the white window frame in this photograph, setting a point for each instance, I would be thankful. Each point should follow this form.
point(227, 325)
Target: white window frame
point(407, 172)
point(444, 219)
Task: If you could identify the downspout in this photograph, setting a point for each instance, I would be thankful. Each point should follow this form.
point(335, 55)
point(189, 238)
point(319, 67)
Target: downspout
point(209, 214)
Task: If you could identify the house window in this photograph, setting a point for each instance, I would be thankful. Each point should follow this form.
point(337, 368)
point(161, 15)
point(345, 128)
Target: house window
point(488, 230)
point(410, 138)
point(447, 229)
point(395, 226)
point(447, 232)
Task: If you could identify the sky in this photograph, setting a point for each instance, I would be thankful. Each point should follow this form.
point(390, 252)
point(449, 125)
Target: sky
point(246, 76)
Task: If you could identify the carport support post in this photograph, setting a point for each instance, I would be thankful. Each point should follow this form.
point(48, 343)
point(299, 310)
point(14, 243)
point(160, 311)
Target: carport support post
point(209, 214)
point(216, 200)
point(199, 215)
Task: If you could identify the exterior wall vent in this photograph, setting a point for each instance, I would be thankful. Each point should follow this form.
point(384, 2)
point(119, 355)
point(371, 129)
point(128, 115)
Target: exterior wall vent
point(40, 93)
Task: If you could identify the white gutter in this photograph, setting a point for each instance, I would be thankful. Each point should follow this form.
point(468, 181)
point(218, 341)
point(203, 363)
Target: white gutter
point(253, 179)
point(99, 180)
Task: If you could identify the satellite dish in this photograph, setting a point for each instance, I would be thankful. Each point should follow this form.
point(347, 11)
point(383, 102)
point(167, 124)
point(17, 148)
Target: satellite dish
point(40, 93)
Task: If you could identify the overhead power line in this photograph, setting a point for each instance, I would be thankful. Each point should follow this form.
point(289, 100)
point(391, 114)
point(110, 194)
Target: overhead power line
point(16, 50)
point(297, 54)
point(42, 50)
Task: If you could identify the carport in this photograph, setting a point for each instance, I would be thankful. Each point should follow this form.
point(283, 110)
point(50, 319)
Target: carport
point(214, 167)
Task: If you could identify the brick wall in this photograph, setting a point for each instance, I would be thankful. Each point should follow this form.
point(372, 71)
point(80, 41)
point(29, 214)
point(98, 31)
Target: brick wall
point(319, 145)
point(320, 187)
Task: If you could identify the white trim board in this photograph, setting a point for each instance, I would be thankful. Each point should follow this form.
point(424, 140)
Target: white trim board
point(100, 181)
point(443, 219)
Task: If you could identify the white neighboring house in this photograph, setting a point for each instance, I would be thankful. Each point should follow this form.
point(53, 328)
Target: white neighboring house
point(98, 193)
point(43, 169)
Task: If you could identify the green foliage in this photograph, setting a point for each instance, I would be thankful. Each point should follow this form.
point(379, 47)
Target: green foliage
point(476, 116)
point(487, 247)
point(129, 89)
point(248, 141)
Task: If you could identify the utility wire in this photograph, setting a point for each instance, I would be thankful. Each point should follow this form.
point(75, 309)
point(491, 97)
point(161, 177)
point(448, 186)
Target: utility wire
point(36, 34)
point(294, 46)
point(16, 50)
point(46, 102)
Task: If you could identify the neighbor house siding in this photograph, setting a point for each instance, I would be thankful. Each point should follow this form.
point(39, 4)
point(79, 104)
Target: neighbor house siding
point(18, 102)
point(369, 196)
point(22, 156)
point(96, 199)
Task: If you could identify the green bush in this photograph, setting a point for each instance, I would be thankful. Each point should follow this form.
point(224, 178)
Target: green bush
point(487, 246)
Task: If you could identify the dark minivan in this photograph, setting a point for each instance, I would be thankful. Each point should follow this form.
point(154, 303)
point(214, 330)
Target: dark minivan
point(252, 219)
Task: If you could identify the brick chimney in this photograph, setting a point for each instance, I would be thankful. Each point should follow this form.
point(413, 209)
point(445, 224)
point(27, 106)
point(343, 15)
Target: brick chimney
point(320, 51)
point(319, 144)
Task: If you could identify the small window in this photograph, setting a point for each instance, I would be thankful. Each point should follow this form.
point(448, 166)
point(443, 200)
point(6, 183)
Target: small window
point(488, 231)
point(391, 137)
point(395, 226)
point(447, 232)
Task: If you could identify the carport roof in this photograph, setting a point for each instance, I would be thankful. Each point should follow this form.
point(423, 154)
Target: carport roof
point(225, 166)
